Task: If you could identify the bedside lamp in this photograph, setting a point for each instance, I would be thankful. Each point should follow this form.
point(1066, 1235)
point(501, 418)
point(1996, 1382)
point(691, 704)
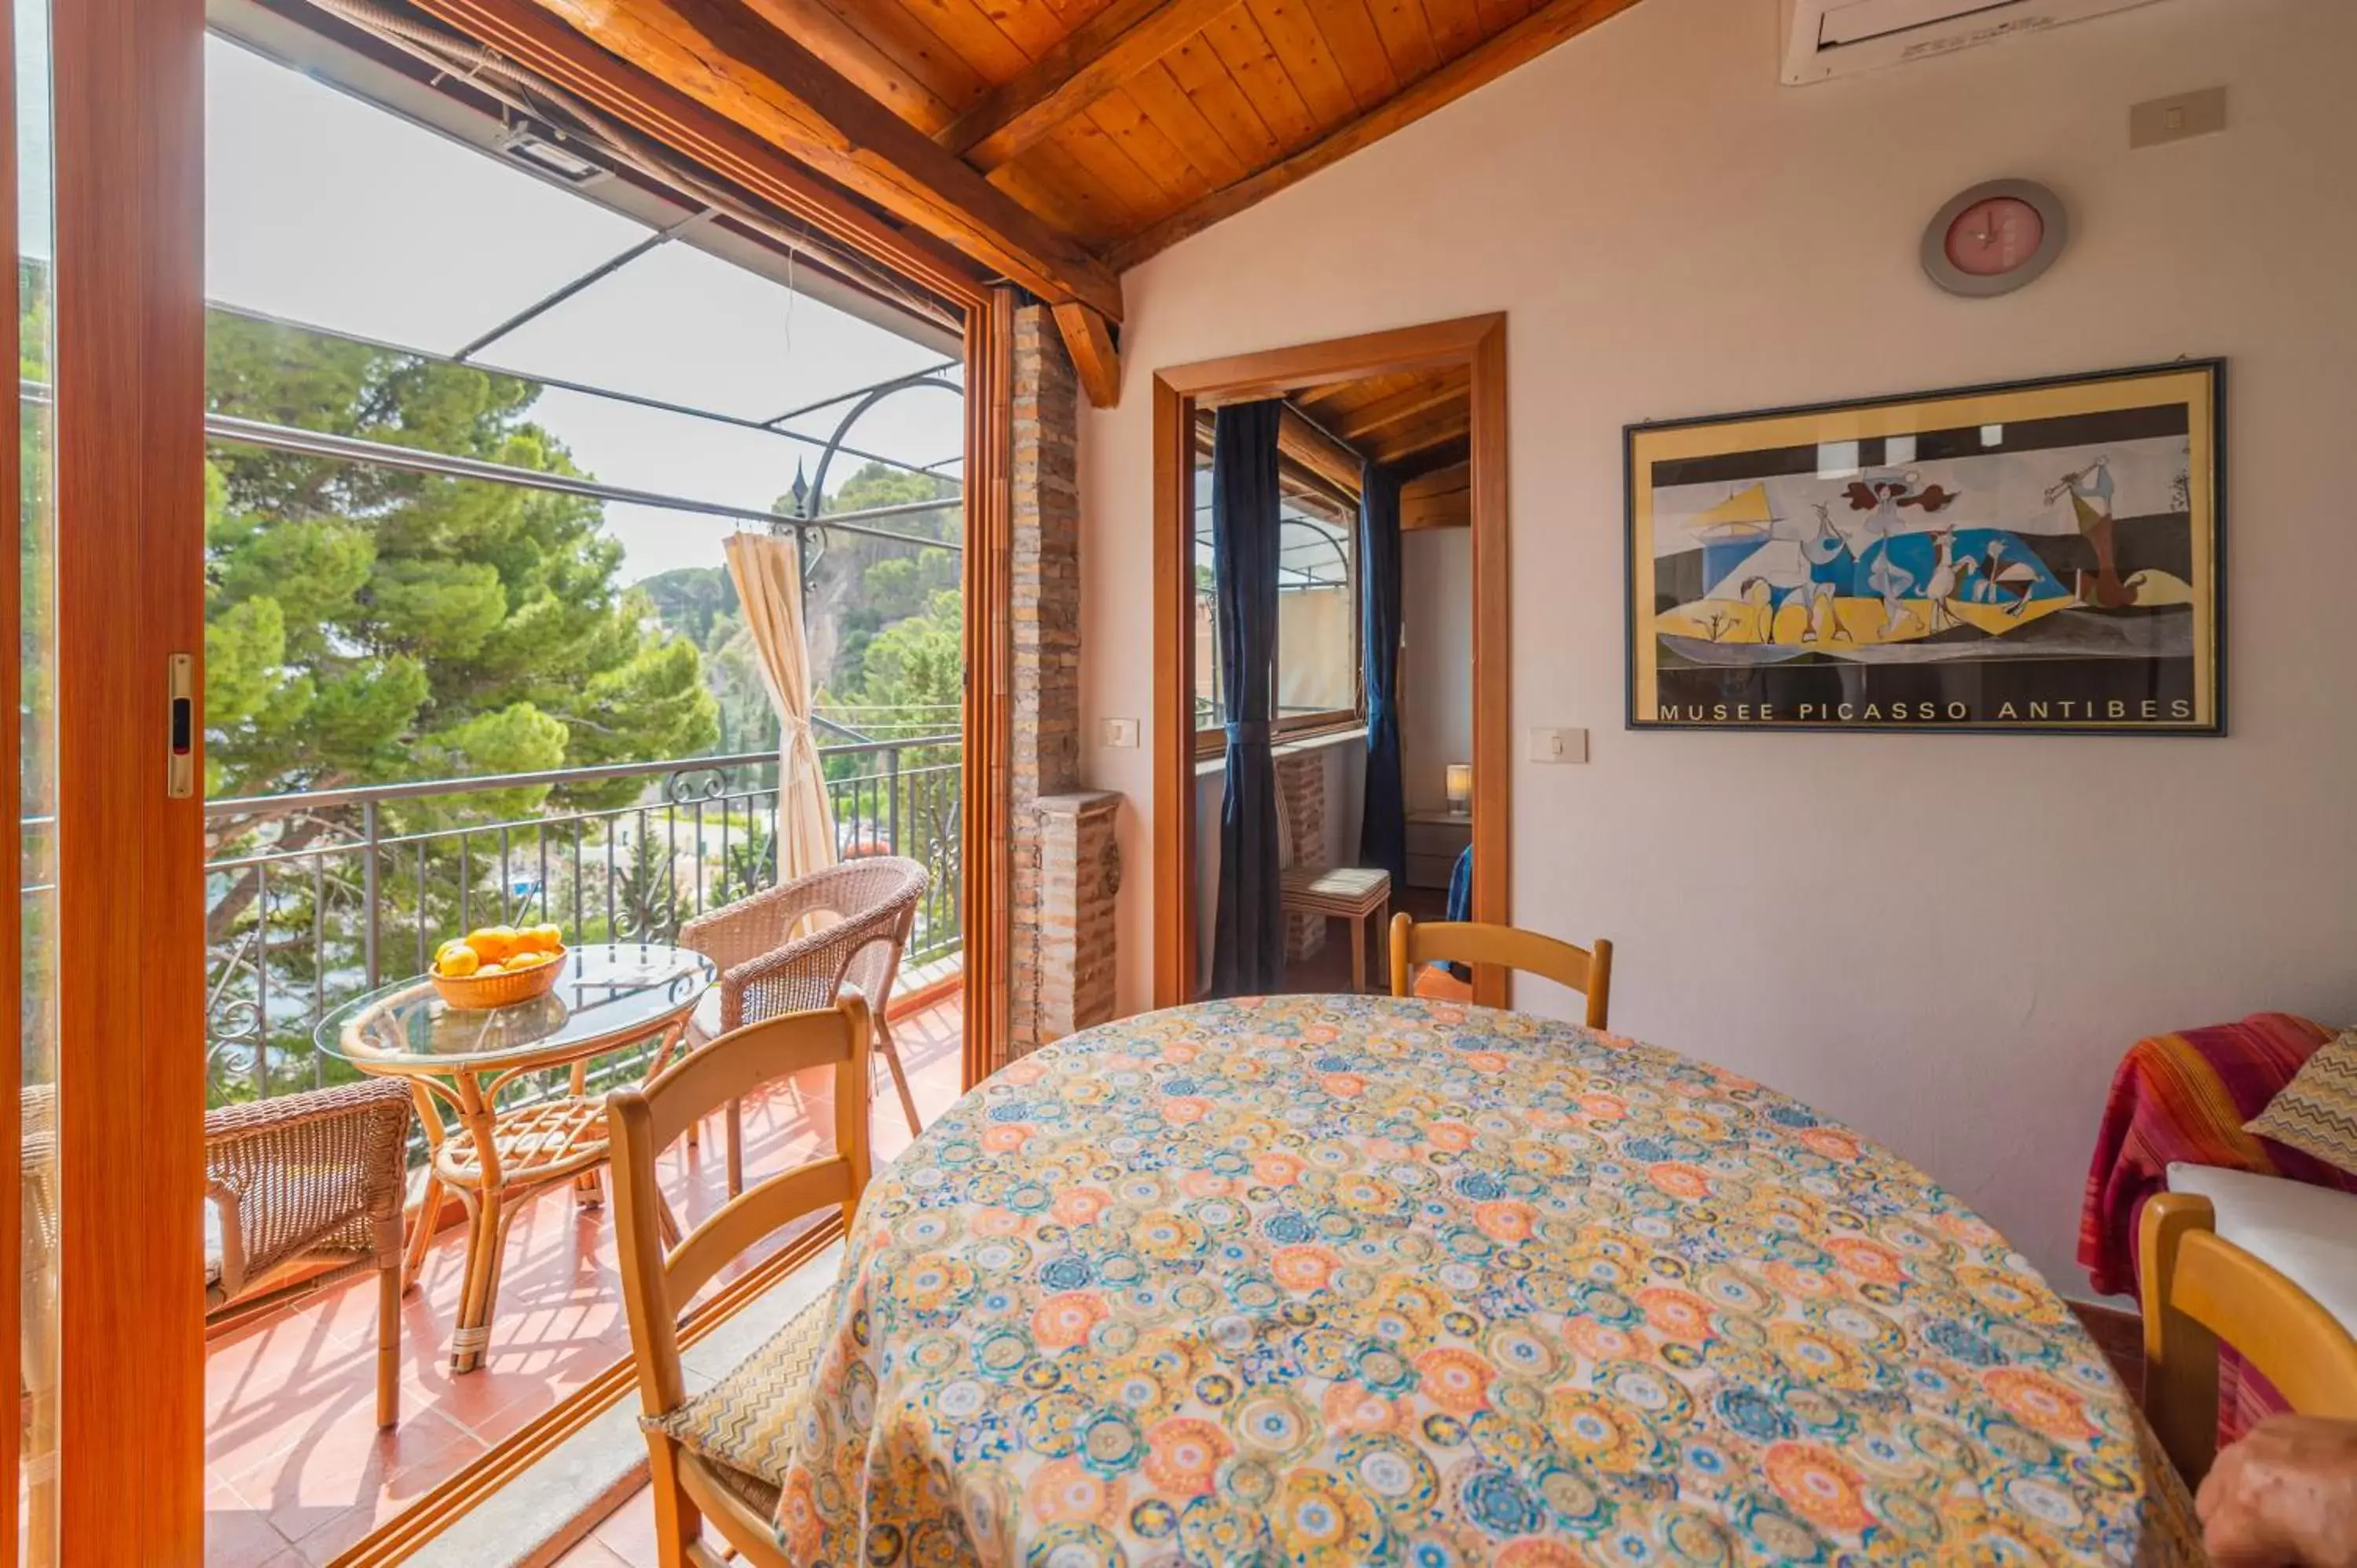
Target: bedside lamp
point(1460, 789)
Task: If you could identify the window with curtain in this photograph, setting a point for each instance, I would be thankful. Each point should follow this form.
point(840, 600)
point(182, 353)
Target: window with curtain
point(1320, 683)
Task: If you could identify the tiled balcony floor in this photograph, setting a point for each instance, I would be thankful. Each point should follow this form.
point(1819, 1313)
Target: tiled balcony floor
point(295, 1469)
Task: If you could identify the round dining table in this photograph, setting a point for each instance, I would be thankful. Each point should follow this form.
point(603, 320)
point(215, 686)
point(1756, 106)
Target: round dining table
point(1346, 1279)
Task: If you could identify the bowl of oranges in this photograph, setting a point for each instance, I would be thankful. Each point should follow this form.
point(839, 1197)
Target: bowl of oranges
point(498, 966)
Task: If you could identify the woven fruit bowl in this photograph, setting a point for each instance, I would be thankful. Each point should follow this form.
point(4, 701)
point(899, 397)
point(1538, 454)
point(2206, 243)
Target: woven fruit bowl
point(481, 992)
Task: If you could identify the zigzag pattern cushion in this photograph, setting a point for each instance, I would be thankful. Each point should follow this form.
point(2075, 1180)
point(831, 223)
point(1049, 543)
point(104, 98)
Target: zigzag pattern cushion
point(2315, 1112)
point(747, 1420)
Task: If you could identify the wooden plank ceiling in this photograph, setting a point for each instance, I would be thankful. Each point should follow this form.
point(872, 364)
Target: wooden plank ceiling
point(1413, 421)
point(1060, 142)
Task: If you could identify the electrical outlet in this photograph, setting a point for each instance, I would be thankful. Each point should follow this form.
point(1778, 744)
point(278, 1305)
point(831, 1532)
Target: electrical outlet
point(1558, 745)
point(1121, 732)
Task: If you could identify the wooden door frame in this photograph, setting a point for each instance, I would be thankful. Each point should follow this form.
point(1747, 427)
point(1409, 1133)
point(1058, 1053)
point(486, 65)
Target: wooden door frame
point(128, 133)
point(128, 289)
point(1475, 343)
point(12, 762)
point(987, 852)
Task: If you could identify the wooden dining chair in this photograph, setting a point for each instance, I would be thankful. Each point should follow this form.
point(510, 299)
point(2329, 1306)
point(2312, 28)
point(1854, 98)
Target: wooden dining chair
point(2199, 1289)
point(1588, 971)
point(721, 1455)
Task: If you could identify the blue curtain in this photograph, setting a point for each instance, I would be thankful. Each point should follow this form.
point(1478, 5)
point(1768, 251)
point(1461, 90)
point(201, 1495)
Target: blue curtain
point(1248, 940)
point(1382, 818)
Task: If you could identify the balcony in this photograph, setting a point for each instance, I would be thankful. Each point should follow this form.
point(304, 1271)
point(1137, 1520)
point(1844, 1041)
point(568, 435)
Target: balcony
point(318, 896)
point(314, 898)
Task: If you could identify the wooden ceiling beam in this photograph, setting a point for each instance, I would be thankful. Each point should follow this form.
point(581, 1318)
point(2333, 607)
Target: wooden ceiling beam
point(1442, 499)
point(1438, 392)
point(1302, 440)
point(1525, 40)
point(1096, 361)
point(724, 56)
point(1091, 62)
point(1424, 460)
point(1407, 439)
point(528, 35)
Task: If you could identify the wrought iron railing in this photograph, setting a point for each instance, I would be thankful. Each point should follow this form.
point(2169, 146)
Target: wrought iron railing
point(314, 897)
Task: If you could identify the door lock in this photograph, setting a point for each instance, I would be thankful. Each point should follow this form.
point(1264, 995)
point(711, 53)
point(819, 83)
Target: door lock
point(181, 766)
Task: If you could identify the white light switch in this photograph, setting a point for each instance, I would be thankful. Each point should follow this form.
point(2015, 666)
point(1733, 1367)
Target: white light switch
point(1121, 732)
point(1558, 745)
point(2174, 119)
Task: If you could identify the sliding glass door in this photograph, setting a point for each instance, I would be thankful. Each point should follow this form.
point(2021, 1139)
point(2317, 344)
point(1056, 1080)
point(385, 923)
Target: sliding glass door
point(102, 137)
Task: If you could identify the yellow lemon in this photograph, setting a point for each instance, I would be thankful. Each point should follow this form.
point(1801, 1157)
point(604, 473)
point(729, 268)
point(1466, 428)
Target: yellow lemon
point(524, 958)
point(458, 959)
point(544, 939)
point(488, 970)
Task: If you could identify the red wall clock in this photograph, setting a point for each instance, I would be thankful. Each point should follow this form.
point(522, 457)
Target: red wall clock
point(1995, 238)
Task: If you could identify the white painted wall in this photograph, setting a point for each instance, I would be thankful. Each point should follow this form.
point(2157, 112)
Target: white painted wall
point(1945, 940)
point(1435, 674)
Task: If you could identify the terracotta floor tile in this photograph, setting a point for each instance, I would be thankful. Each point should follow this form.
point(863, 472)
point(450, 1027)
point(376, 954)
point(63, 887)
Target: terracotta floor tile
point(291, 1441)
point(332, 1489)
point(237, 1531)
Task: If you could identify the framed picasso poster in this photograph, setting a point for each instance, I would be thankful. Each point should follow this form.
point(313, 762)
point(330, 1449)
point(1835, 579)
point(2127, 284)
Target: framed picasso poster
point(2042, 556)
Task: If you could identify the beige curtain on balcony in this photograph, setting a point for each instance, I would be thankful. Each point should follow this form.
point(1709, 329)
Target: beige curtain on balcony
point(768, 577)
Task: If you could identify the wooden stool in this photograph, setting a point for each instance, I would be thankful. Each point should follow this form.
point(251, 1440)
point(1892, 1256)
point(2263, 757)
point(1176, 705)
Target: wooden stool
point(1348, 893)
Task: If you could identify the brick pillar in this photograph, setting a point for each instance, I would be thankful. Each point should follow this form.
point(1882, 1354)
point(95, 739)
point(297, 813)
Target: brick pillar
point(1080, 872)
point(1301, 796)
point(1051, 977)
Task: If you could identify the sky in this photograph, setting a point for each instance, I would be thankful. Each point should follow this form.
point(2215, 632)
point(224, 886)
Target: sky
point(322, 209)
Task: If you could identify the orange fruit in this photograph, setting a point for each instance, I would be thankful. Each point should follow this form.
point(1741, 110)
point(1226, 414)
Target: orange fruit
point(458, 959)
point(494, 942)
point(544, 939)
point(524, 958)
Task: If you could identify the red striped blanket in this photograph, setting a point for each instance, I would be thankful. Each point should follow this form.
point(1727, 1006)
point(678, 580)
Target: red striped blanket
point(2184, 1097)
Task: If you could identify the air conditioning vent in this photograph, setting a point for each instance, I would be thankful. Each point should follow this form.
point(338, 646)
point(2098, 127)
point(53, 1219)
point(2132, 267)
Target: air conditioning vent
point(1826, 38)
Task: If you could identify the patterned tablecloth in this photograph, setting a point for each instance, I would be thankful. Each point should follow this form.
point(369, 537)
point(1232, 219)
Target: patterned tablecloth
point(1349, 1279)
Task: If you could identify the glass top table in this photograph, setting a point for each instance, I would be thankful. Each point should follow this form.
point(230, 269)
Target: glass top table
point(611, 993)
point(495, 1157)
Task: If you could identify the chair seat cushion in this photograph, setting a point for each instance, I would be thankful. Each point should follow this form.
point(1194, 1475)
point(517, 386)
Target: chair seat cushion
point(2315, 1112)
point(2308, 1234)
point(704, 1024)
point(1341, 889)
point(746, 1421)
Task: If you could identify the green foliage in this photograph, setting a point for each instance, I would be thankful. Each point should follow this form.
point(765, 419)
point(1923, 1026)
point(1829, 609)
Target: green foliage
point(692, 600)
point(366, 624)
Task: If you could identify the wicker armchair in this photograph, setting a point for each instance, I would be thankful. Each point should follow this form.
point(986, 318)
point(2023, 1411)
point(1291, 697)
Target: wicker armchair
point(766, 969)
point(315, 1177)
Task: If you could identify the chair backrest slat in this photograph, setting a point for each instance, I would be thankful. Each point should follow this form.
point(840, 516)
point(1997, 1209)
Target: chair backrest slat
point(763, 1052)
point(1588, 971)
point(644, 1121)
point(2200, 1289)
point(760, 1210)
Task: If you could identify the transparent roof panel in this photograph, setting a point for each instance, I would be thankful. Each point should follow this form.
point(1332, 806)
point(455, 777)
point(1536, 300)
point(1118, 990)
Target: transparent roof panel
point(919, 425)
point(645, 449)
point(324, 209)
point(651, 327)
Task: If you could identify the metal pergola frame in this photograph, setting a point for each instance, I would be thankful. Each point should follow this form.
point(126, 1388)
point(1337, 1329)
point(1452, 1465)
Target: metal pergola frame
point(640, 399)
